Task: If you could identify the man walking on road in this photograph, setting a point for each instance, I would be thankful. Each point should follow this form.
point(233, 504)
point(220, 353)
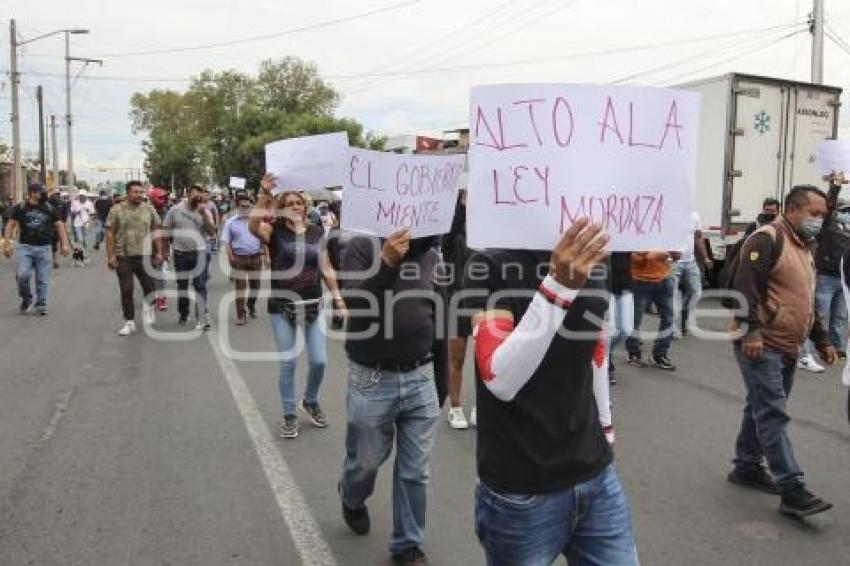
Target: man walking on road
point(652, 284)
point(186, 226)
point(101, 208)
point(775, 275)
point(38, 224)
point(245, 253)
point(131, 226)
point(391, 383)
point(547, 485)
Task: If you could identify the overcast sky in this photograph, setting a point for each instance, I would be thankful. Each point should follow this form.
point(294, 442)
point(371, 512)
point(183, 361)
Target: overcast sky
point(406, 69)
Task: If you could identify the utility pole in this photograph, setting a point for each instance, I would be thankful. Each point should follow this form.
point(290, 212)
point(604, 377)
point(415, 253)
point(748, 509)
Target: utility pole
point(17, 186)
point(69, 134)
point(817, 42)
point(39, 93)
point(55, 160)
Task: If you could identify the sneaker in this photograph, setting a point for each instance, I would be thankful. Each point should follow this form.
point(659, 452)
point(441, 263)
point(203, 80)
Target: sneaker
point(240, 321)
point(413, 556)
point(203, 325)
point(314, 411)
point(357, 519)
point(128, 328)
point(289, 427)
point(636, 360)
point(25, 307)
point(808, 362)
point(473, 416)
point(457, 420)
point(41, 310)
point(758, 479)
point(663, 362)
point(148, 314)
point(799, 503)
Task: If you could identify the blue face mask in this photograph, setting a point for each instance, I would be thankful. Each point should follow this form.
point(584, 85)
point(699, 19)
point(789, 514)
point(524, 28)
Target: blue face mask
point(809, 229)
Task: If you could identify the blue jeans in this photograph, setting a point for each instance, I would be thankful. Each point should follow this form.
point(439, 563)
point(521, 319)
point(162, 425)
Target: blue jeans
point(186, 263)
point(829, 301)
point(660, 294)
point(38, 260)
point(763, 432)
point(589, 523)
point(314, 340)
point(99, 231)
point(621, 315)
point(381, 403)
point(688, 274)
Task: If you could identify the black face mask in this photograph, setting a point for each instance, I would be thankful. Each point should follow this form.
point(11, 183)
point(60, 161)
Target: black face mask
point(419, 246)
point(765, 218)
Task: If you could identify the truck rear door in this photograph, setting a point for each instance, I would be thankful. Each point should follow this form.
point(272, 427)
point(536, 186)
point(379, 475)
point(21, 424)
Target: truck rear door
point(813, 119)
point(759, 137)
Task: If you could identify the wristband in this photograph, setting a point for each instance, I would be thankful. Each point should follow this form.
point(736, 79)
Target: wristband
point(557, 294)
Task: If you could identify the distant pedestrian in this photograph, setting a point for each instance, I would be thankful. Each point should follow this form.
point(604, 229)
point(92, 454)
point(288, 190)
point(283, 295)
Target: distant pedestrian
point(101, 208)
point(688, 269)
point(651, 284)
point(245, 254)
point(134, 248)
point(187, 227)
point(37, 224)
point(82, 211)
point(775, 275)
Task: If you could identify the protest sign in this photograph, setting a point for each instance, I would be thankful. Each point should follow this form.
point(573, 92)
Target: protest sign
point(833, 155)
point(543, 155)
point(236, 183)
point(385, 192)
point(312, 162)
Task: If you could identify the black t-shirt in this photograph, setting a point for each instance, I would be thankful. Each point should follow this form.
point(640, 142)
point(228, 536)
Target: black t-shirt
point(288, 250)
point(549, 437)
point(102, 206)
point(37, 223)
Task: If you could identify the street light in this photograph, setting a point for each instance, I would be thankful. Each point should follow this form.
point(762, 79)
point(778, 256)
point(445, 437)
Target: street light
point(16, 118)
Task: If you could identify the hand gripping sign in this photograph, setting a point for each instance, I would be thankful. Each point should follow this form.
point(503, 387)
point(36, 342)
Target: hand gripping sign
point(543, 155)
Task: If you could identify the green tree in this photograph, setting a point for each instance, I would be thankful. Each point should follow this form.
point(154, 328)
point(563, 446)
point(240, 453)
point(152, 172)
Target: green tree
point(223, 121)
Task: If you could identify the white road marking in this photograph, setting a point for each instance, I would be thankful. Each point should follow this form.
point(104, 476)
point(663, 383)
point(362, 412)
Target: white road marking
point(299, 520)
point(59, 410)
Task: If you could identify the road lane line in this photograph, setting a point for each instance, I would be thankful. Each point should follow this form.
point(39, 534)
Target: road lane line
point(59, 410)
point(296, 514)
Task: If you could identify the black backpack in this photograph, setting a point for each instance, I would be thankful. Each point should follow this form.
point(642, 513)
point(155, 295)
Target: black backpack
point(726, 280)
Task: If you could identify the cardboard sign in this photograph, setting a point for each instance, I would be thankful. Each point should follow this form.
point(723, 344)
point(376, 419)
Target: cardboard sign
point(833, 155)
point(543, 155)
point(385, 192)
point(236, 183)
point(312, 162)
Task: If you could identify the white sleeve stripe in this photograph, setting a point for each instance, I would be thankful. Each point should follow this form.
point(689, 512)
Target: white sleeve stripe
point(564, 293)
point(519, 356)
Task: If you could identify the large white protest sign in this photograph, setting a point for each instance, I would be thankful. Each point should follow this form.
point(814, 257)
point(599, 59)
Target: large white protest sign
point(833, 155)
point(385, 192)
point(312, 162)
point(543, 155)
point(236, 183)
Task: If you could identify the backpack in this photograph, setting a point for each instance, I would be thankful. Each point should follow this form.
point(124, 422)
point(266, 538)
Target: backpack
point(726, 280)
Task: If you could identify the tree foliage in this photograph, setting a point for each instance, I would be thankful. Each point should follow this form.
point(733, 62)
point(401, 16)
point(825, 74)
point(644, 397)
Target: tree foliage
point(219, 127)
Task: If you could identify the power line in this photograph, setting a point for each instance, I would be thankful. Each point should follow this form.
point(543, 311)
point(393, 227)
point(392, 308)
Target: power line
point(262, 37)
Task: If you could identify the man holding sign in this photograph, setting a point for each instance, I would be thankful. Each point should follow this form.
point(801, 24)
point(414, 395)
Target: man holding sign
point(547, 483)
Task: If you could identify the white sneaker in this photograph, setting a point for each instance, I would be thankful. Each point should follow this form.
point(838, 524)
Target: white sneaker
point(128, 328)
point(473, 416)
point(457, 420)
point(148, 314)
point(808, 362)
point(203, 325)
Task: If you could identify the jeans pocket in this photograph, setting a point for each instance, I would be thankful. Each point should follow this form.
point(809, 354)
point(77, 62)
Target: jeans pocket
point(362, 377)
point(514, 500)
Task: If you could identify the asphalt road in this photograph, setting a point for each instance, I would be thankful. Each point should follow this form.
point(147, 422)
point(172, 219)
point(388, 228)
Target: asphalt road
point(135, 451)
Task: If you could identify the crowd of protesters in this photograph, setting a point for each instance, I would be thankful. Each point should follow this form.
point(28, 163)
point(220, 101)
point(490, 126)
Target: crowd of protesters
point(544, 325)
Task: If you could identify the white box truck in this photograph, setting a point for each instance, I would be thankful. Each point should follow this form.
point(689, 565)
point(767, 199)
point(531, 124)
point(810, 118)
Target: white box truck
point(757, 139)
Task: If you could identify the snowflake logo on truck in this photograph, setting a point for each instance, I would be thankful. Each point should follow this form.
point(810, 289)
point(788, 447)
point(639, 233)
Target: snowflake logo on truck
point(762, 122)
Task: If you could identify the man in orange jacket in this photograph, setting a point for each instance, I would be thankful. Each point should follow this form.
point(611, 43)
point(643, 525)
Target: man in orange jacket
point(652, 283)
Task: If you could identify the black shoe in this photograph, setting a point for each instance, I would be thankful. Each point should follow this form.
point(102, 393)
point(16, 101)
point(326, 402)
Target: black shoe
point(612, 374)
point(412, 556)
point(799, 503)
point(357, 519)
point(314, 411)
point(663, 362)
point(96, 246)
point(757, 478)
point(25, 307)
point(288, 427)
point(636, 360)
point(183, 320)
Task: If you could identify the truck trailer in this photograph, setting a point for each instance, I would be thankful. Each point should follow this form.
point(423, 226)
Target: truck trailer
point(758, 137)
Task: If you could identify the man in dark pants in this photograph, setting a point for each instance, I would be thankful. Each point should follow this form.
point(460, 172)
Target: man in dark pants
point(776, 278)
point(132, 230)
point(187, 226)
point(393, 382)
